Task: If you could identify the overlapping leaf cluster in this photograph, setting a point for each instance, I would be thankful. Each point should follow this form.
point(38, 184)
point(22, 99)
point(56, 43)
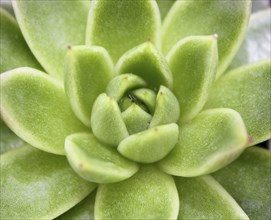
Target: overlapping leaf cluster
point(135, 107)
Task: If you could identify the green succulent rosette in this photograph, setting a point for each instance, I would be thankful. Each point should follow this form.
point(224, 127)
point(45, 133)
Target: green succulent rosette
point(135, 110)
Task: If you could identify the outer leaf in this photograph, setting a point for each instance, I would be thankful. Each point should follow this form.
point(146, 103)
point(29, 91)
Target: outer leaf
point(6, 5)
point(167, 108)
point(139, 197)
point(209, 142)
point(14, 50)
point(193, 62)
point(164, 7)
point(97, 162)
point(247, 90)
point(147, 62)
point(106, 121)
point(48, 38)
point(8, 140)
point(191, 18)
point(204, 198)
point(82, 211)
point(150, 145)
point(256, 46)
point(87, 73)
point(248, 180)
point(35, 107)
point(121, 25)
point(38, 185)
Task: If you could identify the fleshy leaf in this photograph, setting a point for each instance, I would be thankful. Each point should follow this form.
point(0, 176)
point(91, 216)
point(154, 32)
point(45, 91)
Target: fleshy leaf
point(149, 194)
point(97, 162)
point(248, 180)
point(147, 62)
point(121, 84)
point(8, 140)
point(150, 145)
point(6, 5)
point(121, 25)
point(136, 119)
point(147, 96)
point(191, 18)
point(106, 121)
point(193, 63)
point(87, 73)
point(209, 142)
point(256, 46)
point(167, 108)
point(49, 27)
point(204, 198)
point(14, 50)
point(34, 106)
point(82, 211)
point(38, 185)
point(247, 90)
point(164, 7)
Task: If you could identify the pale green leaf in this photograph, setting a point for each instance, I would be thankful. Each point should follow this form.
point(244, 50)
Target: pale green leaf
point(209, 142)
point(191, 18)
point(95, 161)
point(119, 85)
point(14, 50)
point(204, 198)
point(6, 5)
point(147, 62)
point(38, 185)
point(247, 90)
point(82, 211)
point(88, 70)
point(136, 119)
point(151, 145)
point(121, 25)
point(35, 107)
point(193, 63)
point(49, 27)
point(256, 46)
point(149, 194)
point(167, 108)
point(8, 140)
point(164, 7)
point(147, 96)
point(248, 180)
point(106, 121)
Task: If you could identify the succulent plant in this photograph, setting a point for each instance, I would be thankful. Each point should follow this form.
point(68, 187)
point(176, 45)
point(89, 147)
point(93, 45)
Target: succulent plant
point(161, 117)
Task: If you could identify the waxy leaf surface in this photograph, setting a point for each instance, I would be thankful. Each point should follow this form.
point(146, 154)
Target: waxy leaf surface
point(106, 121)
point(97, 162)
point(248, 180)
point(193, 17)
point(147, 62)
point(247, 90)
point(149, 194)
point(204, 198)
point(87, 73)
point(150, 145)
point(209, 142)
point(256, 45)
point(193, 62)
point(121, 25)
point(14, 50)
point(8, 140)
point(136, 119)
point(82, 211)
point(167, 108)
point(35, 107)
point(38, 185)
point(49, 27)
